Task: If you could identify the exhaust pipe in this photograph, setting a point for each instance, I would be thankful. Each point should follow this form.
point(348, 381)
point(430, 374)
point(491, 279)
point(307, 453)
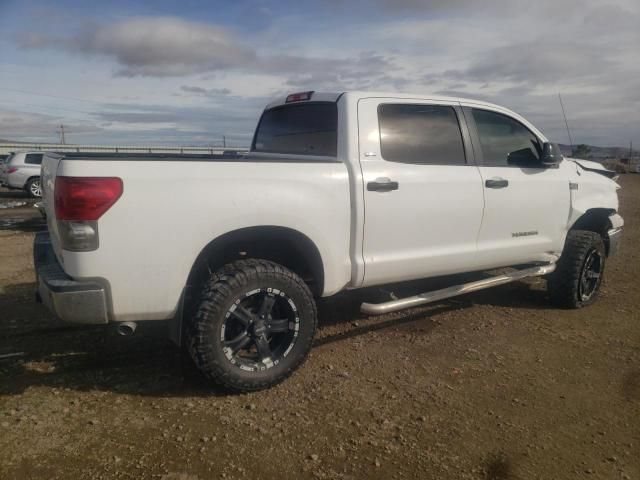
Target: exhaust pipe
point(127, 328)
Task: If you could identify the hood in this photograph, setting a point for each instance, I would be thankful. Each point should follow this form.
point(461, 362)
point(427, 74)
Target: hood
point(595, 167)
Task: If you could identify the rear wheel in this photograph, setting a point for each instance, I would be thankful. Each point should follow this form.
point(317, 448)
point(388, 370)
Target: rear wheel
point(254, 325)
point(34, 187)
point(578, 276)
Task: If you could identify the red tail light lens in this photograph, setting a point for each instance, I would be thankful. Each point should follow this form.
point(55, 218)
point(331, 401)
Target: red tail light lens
point(85, 198)
point(299, 97)
point(12, 169)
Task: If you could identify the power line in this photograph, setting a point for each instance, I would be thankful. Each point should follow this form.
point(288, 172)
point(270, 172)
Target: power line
point(46, 107)
point(54, 96)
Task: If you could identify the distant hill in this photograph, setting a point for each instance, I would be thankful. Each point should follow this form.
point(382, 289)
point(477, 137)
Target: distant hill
point(600, 153)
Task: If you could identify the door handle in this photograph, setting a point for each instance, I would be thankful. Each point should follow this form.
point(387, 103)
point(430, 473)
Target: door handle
point(382, 185)
point(496, 183)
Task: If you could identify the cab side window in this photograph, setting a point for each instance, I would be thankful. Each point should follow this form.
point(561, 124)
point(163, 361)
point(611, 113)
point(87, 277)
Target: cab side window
point(422, 134)
point(505, 141)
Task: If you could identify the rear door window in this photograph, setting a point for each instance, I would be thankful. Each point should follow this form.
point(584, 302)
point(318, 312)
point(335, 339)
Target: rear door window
point(33, 159)
point(422, 134)
point(303, 129)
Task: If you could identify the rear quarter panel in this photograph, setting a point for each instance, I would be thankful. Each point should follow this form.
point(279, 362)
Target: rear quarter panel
point(170, 210)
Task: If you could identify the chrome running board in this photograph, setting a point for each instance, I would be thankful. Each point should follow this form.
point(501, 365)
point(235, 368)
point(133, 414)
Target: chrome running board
point(454, 291)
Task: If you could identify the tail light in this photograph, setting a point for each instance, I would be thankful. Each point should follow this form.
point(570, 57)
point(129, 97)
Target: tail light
point(79, 202)
point(299, 97)
point(85, 198)
point(12, 169)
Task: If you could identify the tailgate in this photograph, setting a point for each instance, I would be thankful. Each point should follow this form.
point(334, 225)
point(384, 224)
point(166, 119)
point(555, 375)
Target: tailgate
point(49, 171)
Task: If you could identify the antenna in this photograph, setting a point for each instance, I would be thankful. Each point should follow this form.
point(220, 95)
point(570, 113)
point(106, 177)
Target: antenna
point(565, 122)
point(61, 131)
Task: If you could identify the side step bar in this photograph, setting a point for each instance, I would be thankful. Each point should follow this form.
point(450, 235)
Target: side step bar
point(454, 291)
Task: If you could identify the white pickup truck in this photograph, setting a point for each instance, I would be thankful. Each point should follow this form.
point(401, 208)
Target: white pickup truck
point(339, 191)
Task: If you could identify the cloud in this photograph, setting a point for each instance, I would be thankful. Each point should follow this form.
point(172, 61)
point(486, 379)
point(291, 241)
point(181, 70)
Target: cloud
point(539, 62)
point(169, 46)
point(512, 52)
point(139, 117)
point(205, 92)
point(153, 46)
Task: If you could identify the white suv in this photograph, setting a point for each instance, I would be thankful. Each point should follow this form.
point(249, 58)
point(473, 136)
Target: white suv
point(21, 171)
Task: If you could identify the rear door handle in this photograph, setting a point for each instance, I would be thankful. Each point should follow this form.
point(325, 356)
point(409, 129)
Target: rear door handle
point(496, 183)
point(382, 185)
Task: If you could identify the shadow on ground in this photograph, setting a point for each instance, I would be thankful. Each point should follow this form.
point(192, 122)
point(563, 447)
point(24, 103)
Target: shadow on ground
point(32, 224)
point(15, 194)
point(36, 349)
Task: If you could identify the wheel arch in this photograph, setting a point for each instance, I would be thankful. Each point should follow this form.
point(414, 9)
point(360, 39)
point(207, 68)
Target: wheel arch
point(286, 246)
point(283, 245)
point(595, 220)
point(31, 177)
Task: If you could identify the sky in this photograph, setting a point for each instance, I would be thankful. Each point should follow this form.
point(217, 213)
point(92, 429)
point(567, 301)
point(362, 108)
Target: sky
point(143, 72)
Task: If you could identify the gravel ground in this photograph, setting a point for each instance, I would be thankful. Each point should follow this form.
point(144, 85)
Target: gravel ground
point(495, 385)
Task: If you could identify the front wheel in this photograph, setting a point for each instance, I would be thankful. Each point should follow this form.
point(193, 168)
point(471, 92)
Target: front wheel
point(34, 187)
point(254, 325)
point(578, 276)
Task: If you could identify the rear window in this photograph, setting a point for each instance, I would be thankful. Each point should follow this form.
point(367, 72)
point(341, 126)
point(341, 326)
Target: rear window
point(304, 129)
point(33, 158)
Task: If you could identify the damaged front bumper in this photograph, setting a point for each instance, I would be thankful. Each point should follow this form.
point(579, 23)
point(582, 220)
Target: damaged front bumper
point(614, 234)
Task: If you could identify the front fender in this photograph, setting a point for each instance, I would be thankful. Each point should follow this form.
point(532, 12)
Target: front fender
point(590, 191)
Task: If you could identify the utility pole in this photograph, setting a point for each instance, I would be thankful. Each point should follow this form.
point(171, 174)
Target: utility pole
point(630, 149)
point(62, 140)
point(224, 141)
point(565, 122)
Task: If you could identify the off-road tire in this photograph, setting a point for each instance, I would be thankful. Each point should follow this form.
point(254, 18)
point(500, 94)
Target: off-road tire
point(564, 282)
point(219, 294)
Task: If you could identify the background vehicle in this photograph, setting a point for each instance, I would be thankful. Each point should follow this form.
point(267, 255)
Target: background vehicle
point(21, 171)
point(340, 191)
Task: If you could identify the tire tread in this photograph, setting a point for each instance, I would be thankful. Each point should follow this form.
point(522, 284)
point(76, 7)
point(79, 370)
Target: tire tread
point(563, 283)
point(216, 292)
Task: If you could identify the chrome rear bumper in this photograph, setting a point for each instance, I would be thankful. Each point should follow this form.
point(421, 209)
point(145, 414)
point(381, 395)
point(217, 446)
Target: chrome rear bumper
point(68, 299)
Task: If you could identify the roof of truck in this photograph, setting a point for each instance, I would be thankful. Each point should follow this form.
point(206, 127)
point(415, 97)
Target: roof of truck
point(358, 94)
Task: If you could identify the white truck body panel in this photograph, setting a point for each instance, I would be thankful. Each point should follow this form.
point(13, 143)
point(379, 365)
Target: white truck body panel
point(159, 234)
point(438, 209)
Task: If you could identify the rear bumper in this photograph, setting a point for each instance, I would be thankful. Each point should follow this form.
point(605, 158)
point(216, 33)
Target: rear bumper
point(5, 183)
point(70, 300)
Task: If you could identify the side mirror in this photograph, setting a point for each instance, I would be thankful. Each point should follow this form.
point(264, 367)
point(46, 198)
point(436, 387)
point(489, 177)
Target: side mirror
point(551, 155)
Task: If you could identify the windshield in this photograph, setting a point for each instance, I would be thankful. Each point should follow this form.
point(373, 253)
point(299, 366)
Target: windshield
point(308, 128)
point(8, 159)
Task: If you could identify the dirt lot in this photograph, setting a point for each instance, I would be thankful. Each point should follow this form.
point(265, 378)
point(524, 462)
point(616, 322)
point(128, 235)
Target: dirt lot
point(495, 385)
